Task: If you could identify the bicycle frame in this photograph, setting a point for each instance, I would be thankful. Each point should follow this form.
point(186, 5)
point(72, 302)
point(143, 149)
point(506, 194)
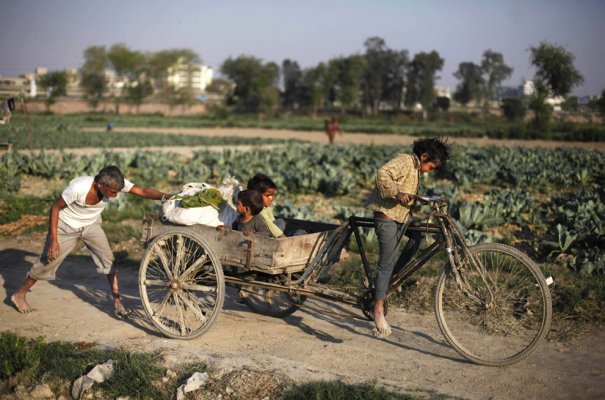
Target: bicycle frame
point(447, 237)
point(356, 223)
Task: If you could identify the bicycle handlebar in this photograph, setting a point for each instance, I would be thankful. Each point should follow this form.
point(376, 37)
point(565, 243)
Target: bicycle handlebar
point(431, 199)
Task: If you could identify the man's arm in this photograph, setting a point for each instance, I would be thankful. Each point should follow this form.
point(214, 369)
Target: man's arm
point(53, 223)
point(148, 193)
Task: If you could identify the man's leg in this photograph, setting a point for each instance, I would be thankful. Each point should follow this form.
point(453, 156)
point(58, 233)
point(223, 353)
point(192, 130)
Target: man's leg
point(18, 299)
point(389, 235)
point(43, 268)
point(96, 241)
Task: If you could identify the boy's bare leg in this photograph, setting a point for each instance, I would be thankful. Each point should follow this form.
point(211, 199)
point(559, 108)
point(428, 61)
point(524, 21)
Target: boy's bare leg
point(18, 299)
point(382, 326)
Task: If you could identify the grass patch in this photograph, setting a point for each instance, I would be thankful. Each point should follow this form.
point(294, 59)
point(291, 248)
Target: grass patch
point(578, 301)
point(50, 132)
point(28, 362)
point(14, 207)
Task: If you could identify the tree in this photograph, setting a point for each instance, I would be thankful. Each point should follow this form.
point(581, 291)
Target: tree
point(421, 80)
point(127, 63)
point(442, 103)
point(292, 78)
point(251, 78)
point(542, 110)
point(471, 85)
point(93, 74)
point(375, 71)
point(570, 105)
point(55, 83)
point(137, 91)
point(513, 109)
point(384, 74)
point(494, 71)
point(130, 65)
point(311, 91)
point(394, 81)
point(347, 83)
point(555, 68)
point(555, 75)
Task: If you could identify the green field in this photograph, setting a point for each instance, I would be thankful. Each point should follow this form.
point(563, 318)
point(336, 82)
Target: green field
point(549, 203)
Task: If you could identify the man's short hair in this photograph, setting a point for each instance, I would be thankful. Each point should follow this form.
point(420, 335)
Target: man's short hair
point(111, 176)
point(252, 199)
point(437, 149)
point(261, 182)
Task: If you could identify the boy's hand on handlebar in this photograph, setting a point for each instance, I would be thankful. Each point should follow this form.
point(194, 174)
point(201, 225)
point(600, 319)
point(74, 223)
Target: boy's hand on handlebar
point(404, 198)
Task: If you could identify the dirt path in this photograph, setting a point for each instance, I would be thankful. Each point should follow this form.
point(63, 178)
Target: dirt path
point(348, 138)
point(313, 343)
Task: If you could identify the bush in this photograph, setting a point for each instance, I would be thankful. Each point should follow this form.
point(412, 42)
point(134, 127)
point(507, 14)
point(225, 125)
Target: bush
point(17, 354)
point(513, 109)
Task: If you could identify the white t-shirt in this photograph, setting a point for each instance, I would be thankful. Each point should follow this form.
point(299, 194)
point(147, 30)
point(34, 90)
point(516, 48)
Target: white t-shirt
point(78, 214)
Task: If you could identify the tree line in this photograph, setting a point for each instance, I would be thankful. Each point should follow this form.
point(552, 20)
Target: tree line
point(379, 78)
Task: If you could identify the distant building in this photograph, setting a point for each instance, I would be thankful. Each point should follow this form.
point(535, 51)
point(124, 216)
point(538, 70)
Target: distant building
point(528, 88)
point(443, 91)
point(13, 86)
point(194, 76)
point(197, 77)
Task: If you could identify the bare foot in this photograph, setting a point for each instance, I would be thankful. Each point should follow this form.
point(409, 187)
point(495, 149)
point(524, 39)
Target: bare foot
point(121, 311)
point(382, 327)
point(21, 304)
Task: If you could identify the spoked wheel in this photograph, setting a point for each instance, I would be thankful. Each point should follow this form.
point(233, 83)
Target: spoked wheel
point(271, 302)
point(498, 313)
point(181, 285)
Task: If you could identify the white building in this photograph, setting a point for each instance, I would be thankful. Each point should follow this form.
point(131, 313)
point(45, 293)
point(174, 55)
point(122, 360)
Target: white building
point(194, 76)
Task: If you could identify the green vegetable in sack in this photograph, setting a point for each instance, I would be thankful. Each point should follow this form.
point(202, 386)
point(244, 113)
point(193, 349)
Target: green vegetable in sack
point(207, 197)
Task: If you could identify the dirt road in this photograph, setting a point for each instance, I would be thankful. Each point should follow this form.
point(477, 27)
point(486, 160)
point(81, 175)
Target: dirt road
point(347, 138)
point(320, 341)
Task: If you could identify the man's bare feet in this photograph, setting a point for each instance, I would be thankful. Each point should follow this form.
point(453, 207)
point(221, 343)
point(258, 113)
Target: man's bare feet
point(382, 326)
point(21, 304)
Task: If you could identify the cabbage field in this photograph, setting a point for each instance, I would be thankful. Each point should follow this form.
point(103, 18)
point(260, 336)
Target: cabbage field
point(549, 202)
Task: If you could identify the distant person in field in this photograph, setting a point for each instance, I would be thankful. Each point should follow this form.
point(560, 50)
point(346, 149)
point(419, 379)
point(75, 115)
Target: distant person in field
point(249, 221)
point(332, 128)
point(6, 110)
point(75, 216)
point(391, 199)
point(267, 188)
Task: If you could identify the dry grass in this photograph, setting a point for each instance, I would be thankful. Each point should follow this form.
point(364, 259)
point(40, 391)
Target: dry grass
point(247, 383)
point(24, 223)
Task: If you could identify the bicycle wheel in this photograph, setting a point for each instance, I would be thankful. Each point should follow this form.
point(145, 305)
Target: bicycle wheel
point(273, 303)
point(499, 313)
point(181, 284)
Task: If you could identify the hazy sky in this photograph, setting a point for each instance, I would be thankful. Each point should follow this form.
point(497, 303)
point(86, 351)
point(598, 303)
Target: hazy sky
point(54, 33)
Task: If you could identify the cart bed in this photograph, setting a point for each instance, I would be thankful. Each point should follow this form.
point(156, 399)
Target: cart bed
point(254, 253)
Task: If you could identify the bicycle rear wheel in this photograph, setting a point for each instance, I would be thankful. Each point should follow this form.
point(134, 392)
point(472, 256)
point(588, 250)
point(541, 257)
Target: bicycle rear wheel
point(498, 313)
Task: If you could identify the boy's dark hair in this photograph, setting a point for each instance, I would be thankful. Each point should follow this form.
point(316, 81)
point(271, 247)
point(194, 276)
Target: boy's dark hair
point(437, 149)
point(252, 199)
point(261, 182)
point(111, 176)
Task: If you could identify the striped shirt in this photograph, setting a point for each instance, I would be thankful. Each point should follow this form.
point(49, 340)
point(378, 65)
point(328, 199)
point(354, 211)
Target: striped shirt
point(401, 174)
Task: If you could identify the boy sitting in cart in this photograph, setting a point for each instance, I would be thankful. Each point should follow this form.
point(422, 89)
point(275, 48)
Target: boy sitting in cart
point(249, 207)
point(267, 188)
